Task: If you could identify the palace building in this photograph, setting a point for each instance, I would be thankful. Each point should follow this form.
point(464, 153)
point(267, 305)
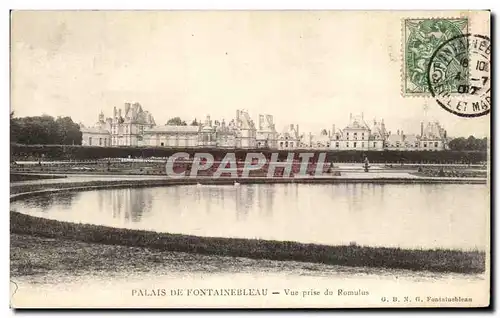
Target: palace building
point(267, 137)
point(357, 135)
point(133, 126)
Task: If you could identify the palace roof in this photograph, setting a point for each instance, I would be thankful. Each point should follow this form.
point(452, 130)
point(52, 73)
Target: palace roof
point(172, 129)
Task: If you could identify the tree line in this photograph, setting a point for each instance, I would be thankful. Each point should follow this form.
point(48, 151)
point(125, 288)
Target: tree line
point(44, 130)
point(177, 121)
point(471, 144)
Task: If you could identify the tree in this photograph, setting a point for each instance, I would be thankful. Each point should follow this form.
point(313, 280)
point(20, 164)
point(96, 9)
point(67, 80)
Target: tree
point(14, 128)
point(470, 144)
point(458, 144)
point(176, 121)
point(44, 130)
point(68, 132)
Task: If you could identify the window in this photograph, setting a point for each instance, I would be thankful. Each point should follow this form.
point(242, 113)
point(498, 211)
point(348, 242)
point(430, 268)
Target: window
point(90, 141)
point(162, 144)
point(416, 145)
point(397, 144)
point(337, 137)
point(286, 143)
point(374, 144)
point(281, 144)
point(354, 145)
point(363, 136)
point(362, 145)
point(336, 145)
point(105, 142)
point(436, 144)
point(425, 145)
point(100, 141)
point(291, 144)
point(347, 144)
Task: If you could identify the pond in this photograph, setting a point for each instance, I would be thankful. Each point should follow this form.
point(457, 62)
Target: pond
point(451, 216)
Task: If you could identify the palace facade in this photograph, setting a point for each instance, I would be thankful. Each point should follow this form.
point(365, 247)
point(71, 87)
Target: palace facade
point(137, 127)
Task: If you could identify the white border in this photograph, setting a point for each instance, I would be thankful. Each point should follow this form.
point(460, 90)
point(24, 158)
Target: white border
point(197, 5)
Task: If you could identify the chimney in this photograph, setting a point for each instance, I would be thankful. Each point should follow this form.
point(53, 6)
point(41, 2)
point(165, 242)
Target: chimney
point(135, 110)
point(402, 133)
point(421, 129)
point(445, 134)
point(127, 108)
point(114, 112)
point(298, 129)
point(120, 112)
point(398, 132)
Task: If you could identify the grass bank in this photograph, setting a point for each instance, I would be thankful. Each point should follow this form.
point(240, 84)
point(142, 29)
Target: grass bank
point(430, 260)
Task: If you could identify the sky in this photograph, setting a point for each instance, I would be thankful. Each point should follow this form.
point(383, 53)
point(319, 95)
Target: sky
point(306, 68)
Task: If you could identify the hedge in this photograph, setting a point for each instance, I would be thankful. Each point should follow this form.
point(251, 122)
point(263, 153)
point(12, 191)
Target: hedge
point(70, 152)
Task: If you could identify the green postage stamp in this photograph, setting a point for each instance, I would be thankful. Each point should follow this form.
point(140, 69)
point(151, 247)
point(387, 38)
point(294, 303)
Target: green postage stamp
point(422, 37)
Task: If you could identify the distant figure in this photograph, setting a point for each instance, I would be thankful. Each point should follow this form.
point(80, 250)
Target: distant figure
point(441, 172)
point(366, 164)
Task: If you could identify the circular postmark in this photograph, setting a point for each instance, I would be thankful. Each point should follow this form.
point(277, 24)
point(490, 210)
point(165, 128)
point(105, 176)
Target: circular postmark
point(458, 75)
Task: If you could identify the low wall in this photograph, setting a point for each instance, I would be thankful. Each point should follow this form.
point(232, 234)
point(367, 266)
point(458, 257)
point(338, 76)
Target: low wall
point(31, 189)
point(28, 176)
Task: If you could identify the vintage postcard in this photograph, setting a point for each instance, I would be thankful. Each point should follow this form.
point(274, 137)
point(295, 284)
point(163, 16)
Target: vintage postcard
point(250, 159)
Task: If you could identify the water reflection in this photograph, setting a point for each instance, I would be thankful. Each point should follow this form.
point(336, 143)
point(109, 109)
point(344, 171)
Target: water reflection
point(426, 216)
point(44, 203)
